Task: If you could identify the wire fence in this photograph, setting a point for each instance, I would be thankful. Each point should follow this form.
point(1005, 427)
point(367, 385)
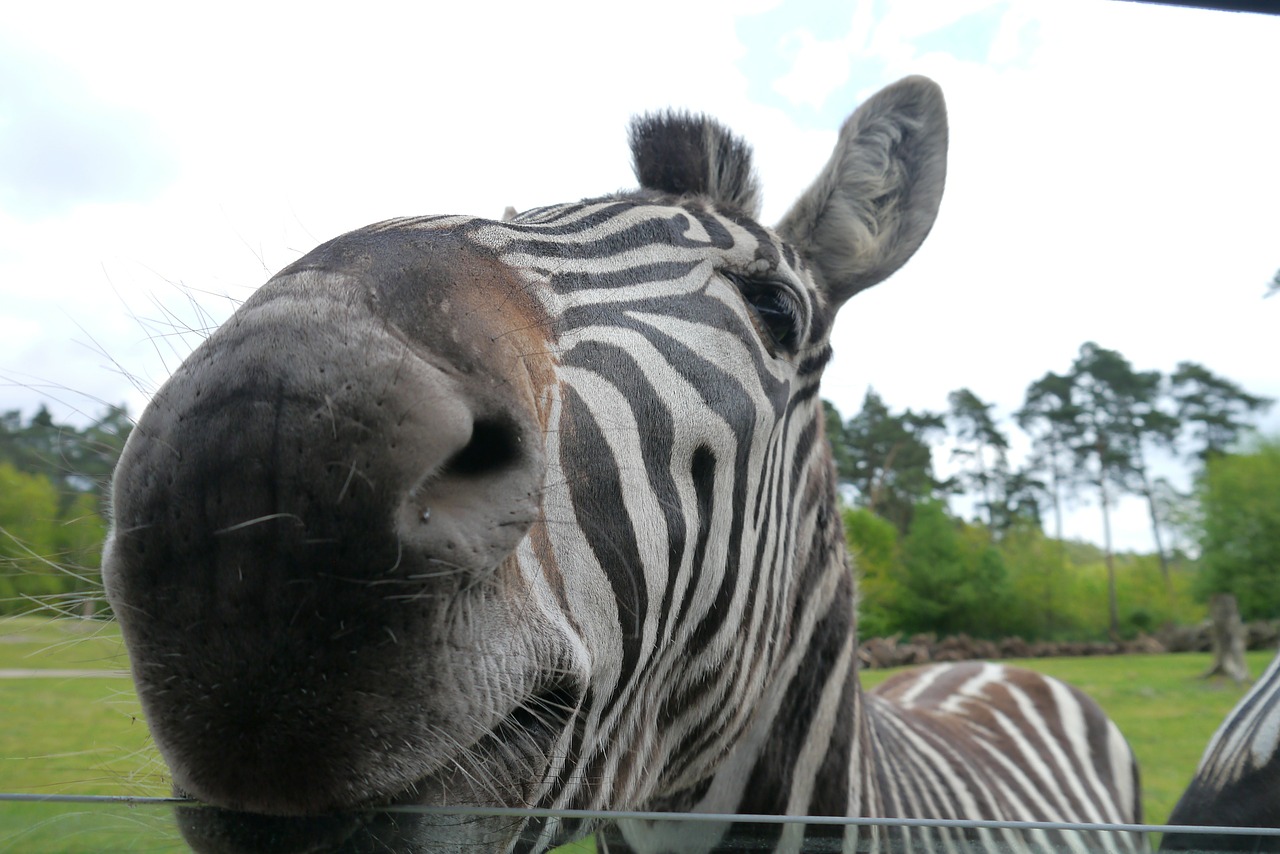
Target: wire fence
point(120, 816)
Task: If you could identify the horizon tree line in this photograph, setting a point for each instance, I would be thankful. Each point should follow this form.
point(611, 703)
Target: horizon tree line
point(1092, 430)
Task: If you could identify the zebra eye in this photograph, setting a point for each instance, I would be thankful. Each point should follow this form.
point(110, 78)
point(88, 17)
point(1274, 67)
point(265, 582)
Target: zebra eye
point(774, 311)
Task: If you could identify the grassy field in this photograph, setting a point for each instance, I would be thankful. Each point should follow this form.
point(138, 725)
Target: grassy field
point(85, 736)
point(75, 735)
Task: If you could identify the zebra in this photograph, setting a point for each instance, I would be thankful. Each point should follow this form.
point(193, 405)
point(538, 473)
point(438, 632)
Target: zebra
point(1237, 783)
point(539, 513)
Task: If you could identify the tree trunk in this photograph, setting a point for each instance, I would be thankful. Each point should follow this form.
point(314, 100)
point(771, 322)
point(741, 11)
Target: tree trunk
point(1155, 535)
point(1227, 637)
point(1061, 552)
point(1155, 523)
point(986, 495)
point(877, 484)
point(1062, 546)
point(1113, 608)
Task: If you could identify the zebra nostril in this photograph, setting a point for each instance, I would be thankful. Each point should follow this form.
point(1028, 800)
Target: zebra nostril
point(495, 446)
point(470, 512)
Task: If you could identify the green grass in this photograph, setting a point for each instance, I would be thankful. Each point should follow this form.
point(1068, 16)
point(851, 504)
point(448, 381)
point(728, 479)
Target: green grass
point(61, 828)
point(72, 735)
point(75, 735)
point(38, 643)
point(86, 735)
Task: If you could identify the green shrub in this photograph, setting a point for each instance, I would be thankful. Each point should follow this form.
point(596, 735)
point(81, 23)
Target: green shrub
point(1240, 529)
point(947, 576)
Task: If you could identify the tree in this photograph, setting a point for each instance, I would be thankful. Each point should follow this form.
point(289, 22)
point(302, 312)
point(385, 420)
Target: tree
point(1091, 426)
point(53, 496)
point(1213, 409)
point(841, 453)
point(90, 455)
point(984, 446)
point(888, 458)
point(1048, 414)
point(75, 460)
point(1036, 566)
point(873, 544)
point(1178, 512)
point(28, 536)
point(29, 447)
point(1150, 423)
point(950, 583)
point(1023, 490)
point(79, 537)
point(1240, 529)
point(1115, 403)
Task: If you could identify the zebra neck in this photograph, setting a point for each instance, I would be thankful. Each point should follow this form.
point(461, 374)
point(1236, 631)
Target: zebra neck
point(804, 753)
point(811, 762)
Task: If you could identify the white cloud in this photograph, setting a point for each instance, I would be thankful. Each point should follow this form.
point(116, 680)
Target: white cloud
point(820, 66)
point(61, 147)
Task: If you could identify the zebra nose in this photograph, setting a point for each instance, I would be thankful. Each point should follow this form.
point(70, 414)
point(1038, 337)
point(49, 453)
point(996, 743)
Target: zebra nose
point(359, 457)
point(308, 496)
point(472, 509)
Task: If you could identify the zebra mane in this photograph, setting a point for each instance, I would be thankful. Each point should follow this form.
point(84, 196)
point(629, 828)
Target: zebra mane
point(684, 154)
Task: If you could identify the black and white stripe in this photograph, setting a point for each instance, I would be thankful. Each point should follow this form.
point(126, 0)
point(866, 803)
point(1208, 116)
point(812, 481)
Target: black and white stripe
point(652, 609)
point(735, 687)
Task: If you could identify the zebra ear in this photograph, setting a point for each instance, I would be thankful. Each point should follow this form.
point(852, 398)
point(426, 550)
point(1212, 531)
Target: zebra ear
point(872, 205)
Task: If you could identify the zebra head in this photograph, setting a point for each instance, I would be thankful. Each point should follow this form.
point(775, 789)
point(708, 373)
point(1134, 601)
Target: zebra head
point(519, 513)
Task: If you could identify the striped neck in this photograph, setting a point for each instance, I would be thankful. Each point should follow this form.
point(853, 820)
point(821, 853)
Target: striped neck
point(805, 753)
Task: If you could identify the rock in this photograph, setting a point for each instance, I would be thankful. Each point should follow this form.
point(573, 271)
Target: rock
point(913, 653)
point(1144, 644)
point(1014, 648)
point(1262, 634)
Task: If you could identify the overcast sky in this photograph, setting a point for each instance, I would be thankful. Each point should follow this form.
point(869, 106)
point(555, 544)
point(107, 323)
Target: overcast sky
point(1113, 170)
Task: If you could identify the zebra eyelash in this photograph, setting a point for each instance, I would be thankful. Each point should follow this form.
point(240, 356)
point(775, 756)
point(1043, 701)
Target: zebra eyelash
point(775, 311)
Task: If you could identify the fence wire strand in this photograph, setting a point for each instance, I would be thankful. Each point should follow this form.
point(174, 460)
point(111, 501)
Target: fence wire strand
point(720, 818)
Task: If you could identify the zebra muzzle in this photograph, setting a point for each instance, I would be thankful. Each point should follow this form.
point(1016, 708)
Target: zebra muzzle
point(310, 512)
